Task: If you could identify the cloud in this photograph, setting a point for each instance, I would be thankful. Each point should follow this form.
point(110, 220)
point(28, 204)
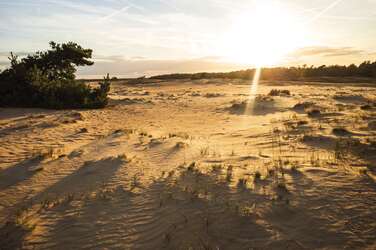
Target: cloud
point(111, 59)
point(79, 7)
point(4, 63)
point(21, 53)
point(140, 66)
point(114, 13)
point(325, 10)
point(326, 51)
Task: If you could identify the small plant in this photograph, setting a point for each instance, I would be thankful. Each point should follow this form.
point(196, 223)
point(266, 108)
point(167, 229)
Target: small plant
point(181, 144)
point(314, 113)
point(171, 135)
point(294, 168)
point(191, 166)
point(229, 173)
point(44, 154)
point(229, 176)
point(118, 131)
point(171, 173)
point(279, 92)
point(366, 107)
point(282, 187)
point(135, 183)
point(123, 157)
point(315, 159)
point(167, 238)
point(257, 175)
point(242, 183)
point(302, 123)
point(341, 132)
point(216, 167)
point(271, 172)
point(232, 153)
point(363, 171)
point(143, 133)
point(83, 130)
point(204, 151)
point(341, 150)
point(302, 106)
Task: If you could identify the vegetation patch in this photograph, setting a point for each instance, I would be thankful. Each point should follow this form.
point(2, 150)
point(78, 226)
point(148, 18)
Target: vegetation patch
point(314, 113)
point(279, 92)
point(47, 80)
point(341, 132)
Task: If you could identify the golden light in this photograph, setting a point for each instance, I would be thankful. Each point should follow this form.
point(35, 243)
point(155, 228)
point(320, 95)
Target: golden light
point(253, 92)
point(263, 35)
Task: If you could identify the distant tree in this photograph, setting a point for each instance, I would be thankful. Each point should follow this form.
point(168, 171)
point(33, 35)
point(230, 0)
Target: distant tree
point(366, 69)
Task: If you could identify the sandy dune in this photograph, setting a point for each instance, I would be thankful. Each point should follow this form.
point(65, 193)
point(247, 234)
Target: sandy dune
point(188, 165)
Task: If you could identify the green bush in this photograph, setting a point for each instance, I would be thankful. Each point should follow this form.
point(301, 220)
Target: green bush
point(47, 80)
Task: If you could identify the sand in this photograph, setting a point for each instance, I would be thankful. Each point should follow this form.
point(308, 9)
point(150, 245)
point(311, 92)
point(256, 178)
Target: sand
point(190, 165)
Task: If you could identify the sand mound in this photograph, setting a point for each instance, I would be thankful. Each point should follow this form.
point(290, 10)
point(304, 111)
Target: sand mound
point(320, 141)
point(261, 105)
point(302, 106)
point(213, 95)
point(341, 132)
point(155, 142)
point(314, 113)
point(350, 98)
point(372, 125)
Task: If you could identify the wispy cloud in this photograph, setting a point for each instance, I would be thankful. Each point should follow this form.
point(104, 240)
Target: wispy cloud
point(169, 4)
point(140, 66)
point(326, 51)
point(20, 53)
point(114, 13)
point(181, 29)
point(325, 10)
point(78, 6)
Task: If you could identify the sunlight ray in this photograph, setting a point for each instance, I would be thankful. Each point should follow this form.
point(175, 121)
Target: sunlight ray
point(253, 92)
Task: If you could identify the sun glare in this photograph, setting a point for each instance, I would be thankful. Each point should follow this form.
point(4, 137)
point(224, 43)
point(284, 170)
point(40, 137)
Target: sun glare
point(263, 35)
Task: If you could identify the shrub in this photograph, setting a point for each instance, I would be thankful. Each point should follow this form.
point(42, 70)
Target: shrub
point(314, 113)
point(341, 132)
point(279, 92)
point(257, 175)
point(47, 80)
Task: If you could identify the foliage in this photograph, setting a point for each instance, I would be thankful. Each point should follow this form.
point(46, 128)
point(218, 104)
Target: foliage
point(47, 79)
point(366, 69)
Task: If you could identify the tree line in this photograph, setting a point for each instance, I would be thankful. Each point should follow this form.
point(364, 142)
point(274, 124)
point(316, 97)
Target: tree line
point(365, 69)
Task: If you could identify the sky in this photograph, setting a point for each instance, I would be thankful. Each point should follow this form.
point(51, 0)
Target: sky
point(148, 37)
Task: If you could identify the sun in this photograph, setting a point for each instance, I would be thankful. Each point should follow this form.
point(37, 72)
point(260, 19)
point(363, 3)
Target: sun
point(263, 35)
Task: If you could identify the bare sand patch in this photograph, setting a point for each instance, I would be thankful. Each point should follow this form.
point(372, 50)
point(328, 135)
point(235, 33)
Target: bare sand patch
point(187, 165)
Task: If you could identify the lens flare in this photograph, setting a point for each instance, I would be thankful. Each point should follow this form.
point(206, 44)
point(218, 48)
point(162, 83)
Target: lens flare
point(263, 35)
point(253, 92)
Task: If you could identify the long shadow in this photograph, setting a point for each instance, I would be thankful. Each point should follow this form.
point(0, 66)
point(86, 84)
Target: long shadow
point(165, 215)
point(18, 173)
point(326, 201)
point(199, 211)
point(11, 235)
point(194, 210)
point(86, 179)
point(345, 146)
point(258, 109)
point(17, 114)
